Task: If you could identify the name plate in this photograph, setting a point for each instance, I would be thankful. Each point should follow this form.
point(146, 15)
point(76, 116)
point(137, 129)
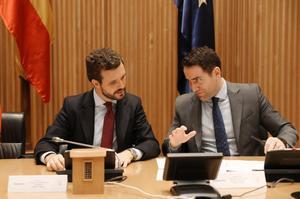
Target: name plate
point(37, 183)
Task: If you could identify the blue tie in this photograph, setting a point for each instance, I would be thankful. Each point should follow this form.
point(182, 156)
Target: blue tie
point(220, 133)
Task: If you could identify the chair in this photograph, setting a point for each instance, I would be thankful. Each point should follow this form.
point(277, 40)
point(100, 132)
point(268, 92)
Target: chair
point(10, 150)
point(13, 130)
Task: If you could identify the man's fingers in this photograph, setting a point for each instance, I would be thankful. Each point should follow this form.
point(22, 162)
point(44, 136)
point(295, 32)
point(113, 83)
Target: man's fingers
point(49, 167)
point(125, 163)
point(178, 130)
point(56, 163)
point(61, 160)
point(183, 127)
point(191, 134)
point(269, 145)
point(273, 144)
point(181, 134)
point(125, 158)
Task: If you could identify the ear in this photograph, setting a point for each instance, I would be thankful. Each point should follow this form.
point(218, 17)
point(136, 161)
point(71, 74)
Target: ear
point(95, 83)
point(217, 71)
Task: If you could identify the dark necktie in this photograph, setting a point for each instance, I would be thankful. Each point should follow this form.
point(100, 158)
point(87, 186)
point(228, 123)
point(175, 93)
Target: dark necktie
point(108, 127)
point(220, 133)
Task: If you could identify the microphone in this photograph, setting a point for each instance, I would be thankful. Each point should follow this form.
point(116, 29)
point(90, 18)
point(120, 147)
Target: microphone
point(112, 161)
point(262, 142)
point(60, 140)
point(110, 153)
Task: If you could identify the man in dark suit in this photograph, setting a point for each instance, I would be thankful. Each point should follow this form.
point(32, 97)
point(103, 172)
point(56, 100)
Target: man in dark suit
point(106, 116)
point(219, 116)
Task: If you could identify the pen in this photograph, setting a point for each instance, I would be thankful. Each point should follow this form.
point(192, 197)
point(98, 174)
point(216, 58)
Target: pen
point(263, 142)
point(251, 170)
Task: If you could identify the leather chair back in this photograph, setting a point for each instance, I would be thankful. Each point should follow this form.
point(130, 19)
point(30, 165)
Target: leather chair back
point(13, 129)
point(10, 150)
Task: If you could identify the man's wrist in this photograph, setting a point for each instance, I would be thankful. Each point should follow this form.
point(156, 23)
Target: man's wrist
point(45, 155)
point(286, 144)
point(172, 148)
point(133, 153)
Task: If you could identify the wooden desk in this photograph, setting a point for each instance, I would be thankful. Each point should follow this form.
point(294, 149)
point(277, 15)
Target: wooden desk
point(140, 174)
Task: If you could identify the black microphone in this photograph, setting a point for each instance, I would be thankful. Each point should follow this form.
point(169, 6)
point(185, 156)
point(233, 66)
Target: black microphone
point(60, 140)
point(110, 153)
point(112, 169)
point(262, 142)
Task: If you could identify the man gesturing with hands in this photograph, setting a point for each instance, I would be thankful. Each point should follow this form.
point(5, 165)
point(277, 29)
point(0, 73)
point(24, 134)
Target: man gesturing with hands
point(220, 116)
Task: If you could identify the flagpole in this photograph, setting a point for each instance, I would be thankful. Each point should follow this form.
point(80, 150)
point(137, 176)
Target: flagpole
point(25, 107)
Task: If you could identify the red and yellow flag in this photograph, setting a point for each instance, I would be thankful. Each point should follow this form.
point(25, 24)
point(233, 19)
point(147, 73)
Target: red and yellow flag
point(0, 121)
point(25, 22)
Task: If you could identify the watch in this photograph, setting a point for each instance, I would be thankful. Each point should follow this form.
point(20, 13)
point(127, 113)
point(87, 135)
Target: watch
point(133, 153)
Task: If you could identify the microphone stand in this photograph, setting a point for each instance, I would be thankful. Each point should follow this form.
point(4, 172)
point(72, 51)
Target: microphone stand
point(60, 140)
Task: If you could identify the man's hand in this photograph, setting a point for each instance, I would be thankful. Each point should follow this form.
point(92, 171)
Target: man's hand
point(55, 162)
point(274, 143)
point(178, 136)
point(124, 158)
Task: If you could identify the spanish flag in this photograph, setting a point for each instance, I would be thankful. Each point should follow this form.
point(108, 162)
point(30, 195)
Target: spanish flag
point(27, 22)
point(0, 121)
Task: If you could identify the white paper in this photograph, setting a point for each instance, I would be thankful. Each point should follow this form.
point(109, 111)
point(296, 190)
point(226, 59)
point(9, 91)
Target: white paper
point(37, 183)
point(160, 163)
point(241, 165)
point(245, 179)
point(160, 168)
point(240, 174)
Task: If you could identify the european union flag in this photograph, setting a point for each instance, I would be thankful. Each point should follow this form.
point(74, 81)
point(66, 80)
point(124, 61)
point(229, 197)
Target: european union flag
point(195, 29)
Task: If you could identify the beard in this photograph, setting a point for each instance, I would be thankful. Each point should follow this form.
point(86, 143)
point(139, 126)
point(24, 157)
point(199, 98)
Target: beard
point(117, 95)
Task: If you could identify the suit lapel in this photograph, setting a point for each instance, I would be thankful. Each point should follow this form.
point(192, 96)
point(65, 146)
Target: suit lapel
point(87, 117)
point(196, 123)
point(236, 104)
point(122, 117)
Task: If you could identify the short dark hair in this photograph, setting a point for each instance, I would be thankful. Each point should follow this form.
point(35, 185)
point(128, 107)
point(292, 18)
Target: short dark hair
point(101, 59)
point(205, 57)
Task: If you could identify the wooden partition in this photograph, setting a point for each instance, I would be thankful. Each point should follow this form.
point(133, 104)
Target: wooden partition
point(258, 41)
point(144, 32)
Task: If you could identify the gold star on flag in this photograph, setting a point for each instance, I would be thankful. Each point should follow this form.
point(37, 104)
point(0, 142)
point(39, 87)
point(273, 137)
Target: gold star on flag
point(201, 1)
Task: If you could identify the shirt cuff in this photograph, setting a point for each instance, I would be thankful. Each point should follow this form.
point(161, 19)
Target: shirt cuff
point(173, 149)
point(44, 155)
point(139, 153)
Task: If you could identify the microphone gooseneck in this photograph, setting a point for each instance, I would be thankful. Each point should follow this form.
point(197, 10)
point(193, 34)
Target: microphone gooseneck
point(60, 140)
point(57, 139)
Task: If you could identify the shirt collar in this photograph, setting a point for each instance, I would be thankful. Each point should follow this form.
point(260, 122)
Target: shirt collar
point(99, 101)
point(222, 94)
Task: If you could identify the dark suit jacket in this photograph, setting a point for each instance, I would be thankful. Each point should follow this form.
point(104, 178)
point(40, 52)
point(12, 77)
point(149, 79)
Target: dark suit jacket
point(251, 113)
point(75, 122)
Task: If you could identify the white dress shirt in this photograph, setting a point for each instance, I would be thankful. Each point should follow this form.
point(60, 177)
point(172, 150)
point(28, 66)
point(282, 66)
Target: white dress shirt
point(208, 133)
point(100, 111)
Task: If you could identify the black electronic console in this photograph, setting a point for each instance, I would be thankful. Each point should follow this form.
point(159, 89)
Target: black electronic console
point(282, 164)
point(111, 172)
point(191, 173)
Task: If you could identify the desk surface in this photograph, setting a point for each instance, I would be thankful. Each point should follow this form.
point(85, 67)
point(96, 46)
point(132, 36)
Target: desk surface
point(140, 174)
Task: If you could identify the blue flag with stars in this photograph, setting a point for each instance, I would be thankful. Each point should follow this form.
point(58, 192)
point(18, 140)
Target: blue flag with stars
point(195, 29)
